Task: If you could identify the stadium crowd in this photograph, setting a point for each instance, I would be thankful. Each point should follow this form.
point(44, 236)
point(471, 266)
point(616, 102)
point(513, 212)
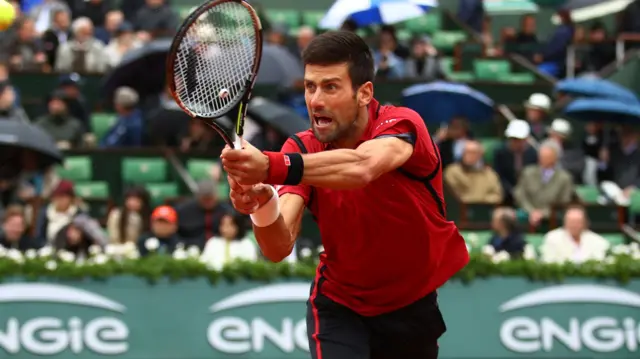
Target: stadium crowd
point(537, 166)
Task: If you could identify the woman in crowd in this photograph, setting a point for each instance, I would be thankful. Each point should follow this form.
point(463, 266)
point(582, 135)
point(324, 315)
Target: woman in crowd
point(126, 224)
point(232, 243)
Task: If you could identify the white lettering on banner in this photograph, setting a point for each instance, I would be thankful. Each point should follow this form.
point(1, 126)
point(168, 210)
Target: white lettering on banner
point(236, 335)
point(53, 335)
point(600, 334)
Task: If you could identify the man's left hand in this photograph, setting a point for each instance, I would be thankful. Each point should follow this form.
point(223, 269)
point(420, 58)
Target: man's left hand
point(247, 166)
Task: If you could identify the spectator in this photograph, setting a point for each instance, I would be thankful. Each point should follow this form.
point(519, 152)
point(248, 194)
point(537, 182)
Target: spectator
point(573, 242)
point(200, 217)
point(277, 35)
point(528, 29)
point(69, 84)
point(127, 131)
point(471, 180)
point(7, 36)
point(544, 185)
point(42, 14)
point(537, 109)
point(65, 130)
point(602, 49)
point(57, 214)
point(509, 160)
point(126, 224)
point(83, 54)
point(506, 235)
point(9, 109)
point(471, 13)
point(200, 138)
point(164, 226)
point(305, 35)
point(424, 62)
point(156, 19)
point(388, 64)
point(95, 10)
point(113, 21)
point(13, 233)
point(123, 41)
point(26, 52)
point(231, 245)
point(80, 234)
point(451, 140)
point(58, 34)
point(572, 158)
point(553, 55)
point(621, 164)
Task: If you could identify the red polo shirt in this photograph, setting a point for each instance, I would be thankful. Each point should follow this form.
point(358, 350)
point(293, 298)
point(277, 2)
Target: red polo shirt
point(387, 244)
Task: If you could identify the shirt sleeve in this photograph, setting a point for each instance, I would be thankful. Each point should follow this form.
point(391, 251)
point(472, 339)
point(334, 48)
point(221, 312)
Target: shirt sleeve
point(303, 191)
point(403, 129)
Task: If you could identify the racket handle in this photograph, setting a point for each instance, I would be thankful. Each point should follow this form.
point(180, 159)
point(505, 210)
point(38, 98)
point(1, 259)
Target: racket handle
point(237, 144)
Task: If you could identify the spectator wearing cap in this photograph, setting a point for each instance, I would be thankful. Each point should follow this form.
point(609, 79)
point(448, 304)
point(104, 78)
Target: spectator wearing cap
point(424, 62)
point(84, 53)
point(543, 185)
point(58, 213)
point(122, 41)
point(71, 84)
point(127, 131)
point(164, 227)
point(200, 217)
point(572, 157)
point(537, 112)
point(65, 130)
point(510, 159)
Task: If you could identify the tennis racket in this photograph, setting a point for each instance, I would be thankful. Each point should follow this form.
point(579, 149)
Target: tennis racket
point(213, 63)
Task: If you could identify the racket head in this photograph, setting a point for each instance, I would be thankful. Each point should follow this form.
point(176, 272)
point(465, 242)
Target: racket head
point(214, 60)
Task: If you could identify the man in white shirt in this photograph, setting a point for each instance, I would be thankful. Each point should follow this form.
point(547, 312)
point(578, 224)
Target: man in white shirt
point(573, 242)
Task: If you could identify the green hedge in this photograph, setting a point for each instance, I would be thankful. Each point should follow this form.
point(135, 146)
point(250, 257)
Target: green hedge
point(35, 266)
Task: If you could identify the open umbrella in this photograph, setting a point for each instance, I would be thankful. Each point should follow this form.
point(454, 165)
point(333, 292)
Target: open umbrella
point(604, 110)
point(439, 102)
point(278, 67)
point(584, 10)
point(19, 138)
point(142, 69)
point(594, 87)
point(370, 12)
point(282, 118)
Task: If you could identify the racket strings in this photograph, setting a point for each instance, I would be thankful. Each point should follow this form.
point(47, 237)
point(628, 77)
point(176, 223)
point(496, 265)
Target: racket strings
point(215, 59)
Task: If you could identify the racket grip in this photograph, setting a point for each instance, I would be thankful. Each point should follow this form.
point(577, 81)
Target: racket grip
point(237, 144)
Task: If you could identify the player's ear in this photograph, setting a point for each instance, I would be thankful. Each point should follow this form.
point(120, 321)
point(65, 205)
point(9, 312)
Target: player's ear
point(365, 94)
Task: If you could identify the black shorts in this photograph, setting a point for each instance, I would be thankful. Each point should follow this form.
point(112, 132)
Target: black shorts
point(337, 332)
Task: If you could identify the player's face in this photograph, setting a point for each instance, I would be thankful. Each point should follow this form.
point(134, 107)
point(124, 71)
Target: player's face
point(331, 101)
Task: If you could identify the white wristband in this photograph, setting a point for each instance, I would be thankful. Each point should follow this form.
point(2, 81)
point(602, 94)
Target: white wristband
point(268, 213)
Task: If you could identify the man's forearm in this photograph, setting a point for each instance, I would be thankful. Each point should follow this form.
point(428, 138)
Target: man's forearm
point(275, 241)
point(337, 169)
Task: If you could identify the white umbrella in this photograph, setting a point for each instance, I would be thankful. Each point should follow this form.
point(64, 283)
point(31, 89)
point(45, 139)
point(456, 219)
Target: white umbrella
point(368, 12)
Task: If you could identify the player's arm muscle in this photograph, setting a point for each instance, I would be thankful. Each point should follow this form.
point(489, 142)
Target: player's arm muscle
point(348, 169)
point(276, 241)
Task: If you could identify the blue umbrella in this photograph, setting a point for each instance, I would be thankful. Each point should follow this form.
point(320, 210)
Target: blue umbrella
point(440, 101)
point(593, 87)
point(603, 110)
point(370, 12)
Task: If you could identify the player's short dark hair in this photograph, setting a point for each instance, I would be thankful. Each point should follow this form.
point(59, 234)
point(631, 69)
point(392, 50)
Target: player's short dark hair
point(337, 47)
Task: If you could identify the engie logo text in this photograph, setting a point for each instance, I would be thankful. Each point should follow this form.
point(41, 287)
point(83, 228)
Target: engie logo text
point(577, 318)
point(267, 318)
point(24, 329)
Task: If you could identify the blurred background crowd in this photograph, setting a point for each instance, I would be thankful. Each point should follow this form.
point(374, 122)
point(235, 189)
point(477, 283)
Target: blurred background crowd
point(534, 105)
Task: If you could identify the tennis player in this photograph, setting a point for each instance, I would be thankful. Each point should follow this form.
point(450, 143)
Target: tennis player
point(372, 177)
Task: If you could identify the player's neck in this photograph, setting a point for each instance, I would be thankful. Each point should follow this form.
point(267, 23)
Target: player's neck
point(355, 134)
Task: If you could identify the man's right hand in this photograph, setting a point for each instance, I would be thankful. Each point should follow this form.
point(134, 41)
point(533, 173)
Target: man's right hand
point(248, 200)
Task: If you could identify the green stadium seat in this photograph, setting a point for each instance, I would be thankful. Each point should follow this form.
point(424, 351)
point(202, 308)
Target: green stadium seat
point(535, 239)
point(588, 194)
point(144, 170)
point(447, 63)
point(518, 78)
point(289, 18)
point(491, 69)
point(161, 191)
point(404, 35)
point(427, 24)
point(481, 238)
point(469, 52)
point(447, 40)
point(101, 123)
point(634, 205)
point(94, 190)
point(76, 168)
point(200, 169)
point(490, 145)
point(312, 18)
point(460, 76)
point(614, 238)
